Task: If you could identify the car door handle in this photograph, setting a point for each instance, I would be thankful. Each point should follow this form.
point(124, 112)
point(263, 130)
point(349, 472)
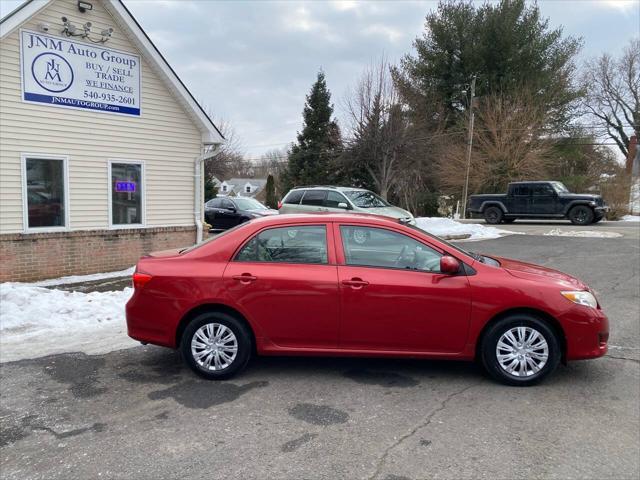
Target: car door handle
point(245, 278)
point(355, 283)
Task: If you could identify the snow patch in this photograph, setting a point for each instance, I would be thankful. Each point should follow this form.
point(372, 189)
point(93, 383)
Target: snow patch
point(582, 233)
point(631, 218)
point(444, 227)
point(83, 278)
point(36, 321)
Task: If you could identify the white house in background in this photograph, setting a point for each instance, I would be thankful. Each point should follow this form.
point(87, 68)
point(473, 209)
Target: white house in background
point(100, 142)
point(242, 187)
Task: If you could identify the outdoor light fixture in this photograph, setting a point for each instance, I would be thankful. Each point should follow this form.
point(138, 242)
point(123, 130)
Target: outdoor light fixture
point(71, 30)
point(84, 6)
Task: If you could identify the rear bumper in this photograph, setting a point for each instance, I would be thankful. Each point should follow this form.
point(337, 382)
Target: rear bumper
point(150, 322)
point(587, 333)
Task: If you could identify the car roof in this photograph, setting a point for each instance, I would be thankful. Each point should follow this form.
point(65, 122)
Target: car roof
point(534, 181)
point(326, 217)
point(329, 187)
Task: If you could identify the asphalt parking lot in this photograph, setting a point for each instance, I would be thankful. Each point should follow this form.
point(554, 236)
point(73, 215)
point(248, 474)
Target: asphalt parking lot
point(140, 413)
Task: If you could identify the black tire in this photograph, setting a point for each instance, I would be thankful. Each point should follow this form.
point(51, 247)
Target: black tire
point(597, 219)
point(509, 220)
point(581, 215)
point(489, 351)
point(493, 215)
point(242, 340)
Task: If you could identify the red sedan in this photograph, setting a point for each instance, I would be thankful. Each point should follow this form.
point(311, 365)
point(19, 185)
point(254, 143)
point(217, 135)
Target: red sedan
point(359, 285)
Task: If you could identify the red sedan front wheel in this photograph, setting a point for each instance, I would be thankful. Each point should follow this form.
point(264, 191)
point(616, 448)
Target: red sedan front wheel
point(520, 349)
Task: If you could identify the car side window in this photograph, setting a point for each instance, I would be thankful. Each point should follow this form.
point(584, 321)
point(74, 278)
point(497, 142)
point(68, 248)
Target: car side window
point(377, 247)
point(333, 199)
point(314, 197)
point(523, 190)
point(228, 204)
point(294, 197)
point(214, 203)
point(304, 244)
point(542, 190)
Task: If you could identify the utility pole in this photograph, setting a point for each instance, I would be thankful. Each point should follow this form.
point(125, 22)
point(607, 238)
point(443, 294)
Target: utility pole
point(465, 191)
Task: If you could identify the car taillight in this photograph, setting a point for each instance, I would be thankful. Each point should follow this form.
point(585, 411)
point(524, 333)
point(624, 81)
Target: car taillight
point(140, 279)
point(279, 204)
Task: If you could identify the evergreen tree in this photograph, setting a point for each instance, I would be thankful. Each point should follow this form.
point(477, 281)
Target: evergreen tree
point(310, 159)
point(271, 200)
point(508, 45)
point(210, 189)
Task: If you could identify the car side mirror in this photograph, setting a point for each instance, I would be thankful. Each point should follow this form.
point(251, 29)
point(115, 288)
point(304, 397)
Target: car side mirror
point(343, 205)
point(449, 265)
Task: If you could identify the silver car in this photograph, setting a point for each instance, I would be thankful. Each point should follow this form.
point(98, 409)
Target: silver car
point(315, 199)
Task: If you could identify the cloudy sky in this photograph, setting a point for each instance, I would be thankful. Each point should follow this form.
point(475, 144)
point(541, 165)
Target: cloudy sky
point(252, 62)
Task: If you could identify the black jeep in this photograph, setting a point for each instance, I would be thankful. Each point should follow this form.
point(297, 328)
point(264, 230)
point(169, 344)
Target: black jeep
point(539, 200)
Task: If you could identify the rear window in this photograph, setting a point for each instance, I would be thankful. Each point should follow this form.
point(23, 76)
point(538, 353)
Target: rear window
point(314, 197)
point(522, 190)
point(212, 239)
point(306, 244)
point(294, 197)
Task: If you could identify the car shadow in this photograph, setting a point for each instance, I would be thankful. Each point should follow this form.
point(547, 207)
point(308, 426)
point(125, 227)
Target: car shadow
point(160, 363)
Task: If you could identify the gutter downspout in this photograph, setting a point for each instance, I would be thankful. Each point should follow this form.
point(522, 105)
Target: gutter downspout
point(199, 189)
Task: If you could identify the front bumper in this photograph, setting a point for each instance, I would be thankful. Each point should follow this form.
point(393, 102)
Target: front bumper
point(586, 332)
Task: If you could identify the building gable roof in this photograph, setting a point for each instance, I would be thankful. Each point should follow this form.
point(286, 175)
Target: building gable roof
point(135, 33)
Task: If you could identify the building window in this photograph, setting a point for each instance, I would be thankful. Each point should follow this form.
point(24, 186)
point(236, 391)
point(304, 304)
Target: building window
point(126, 193)
point(45, 192)
point(247, 189)
point(224, 188)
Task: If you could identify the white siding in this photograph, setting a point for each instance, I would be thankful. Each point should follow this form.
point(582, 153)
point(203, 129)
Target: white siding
point(164, 137)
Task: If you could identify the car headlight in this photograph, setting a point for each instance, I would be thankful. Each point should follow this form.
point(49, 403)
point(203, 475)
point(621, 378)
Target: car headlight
point(581, 298)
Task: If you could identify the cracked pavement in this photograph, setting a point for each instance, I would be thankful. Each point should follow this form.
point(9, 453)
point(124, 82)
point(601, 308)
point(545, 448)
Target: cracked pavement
point(140, 413)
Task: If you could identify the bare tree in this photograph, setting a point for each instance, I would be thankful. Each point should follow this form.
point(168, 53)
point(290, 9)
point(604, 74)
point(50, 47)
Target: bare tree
point(509, 144)
point(273, 162)
point(378, 129)
point(613, 94)
point(229, 161)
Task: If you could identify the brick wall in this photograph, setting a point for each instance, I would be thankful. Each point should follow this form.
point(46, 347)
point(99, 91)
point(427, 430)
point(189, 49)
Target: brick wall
point(36, 256)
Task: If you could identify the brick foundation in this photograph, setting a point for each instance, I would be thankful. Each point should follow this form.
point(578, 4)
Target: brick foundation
point(36, 256)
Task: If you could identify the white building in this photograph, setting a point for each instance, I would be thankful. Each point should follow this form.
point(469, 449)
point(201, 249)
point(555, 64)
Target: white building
point(242, 187)
point(98, 142)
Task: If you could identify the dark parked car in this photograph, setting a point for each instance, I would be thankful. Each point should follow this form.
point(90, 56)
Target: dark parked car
point(548, 200)
point(224, 212)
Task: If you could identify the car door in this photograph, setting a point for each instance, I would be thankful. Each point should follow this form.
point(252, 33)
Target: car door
point(521, 199)
point(313, 201)
point(211, 211)
point(226, 215)
point(333, 199)
point(543, 199)
point(393, 297)
point(285, 279)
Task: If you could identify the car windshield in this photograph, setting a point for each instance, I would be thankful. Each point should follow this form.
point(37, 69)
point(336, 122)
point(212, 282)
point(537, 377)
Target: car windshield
point(559, 187)
point(249, 204)
point(366, 199)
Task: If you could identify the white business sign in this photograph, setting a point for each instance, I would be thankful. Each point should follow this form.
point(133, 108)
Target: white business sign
point(64, 73)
